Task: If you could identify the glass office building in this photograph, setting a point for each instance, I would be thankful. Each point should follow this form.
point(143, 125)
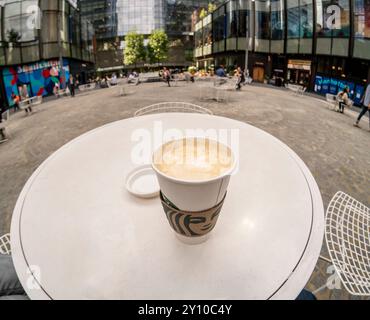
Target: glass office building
point(34, 34)
point(322, 44)
point(113, 19)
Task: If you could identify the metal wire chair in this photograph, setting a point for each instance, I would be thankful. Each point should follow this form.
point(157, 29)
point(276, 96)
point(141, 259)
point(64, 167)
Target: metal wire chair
point(5, 244)
point(347, 234)
point(165, 107)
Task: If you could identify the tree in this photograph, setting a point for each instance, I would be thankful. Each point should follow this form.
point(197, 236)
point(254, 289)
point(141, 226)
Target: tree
point(158, 46)
point(134, 48)
point(211, 7)
point(203, 13)
point(13, 36)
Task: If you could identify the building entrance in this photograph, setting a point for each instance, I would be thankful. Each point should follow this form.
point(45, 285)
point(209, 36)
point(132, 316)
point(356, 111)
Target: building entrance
point(258, 73)
point(299, 72)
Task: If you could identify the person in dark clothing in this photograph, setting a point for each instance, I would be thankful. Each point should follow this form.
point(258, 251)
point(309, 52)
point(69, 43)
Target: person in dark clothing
point(167, 76)
point(72, 85)
point(365, 107)
point(220, 72)
point(241, 78)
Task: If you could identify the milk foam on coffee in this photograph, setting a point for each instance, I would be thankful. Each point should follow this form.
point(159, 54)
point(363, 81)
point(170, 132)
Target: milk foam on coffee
point(194, 159)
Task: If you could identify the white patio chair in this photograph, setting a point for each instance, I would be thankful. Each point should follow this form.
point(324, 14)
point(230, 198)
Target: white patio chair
point(5, 244)
point(182, 107)
point(331, 101)
point(301, 91)
point(3, 127)
point(206, 90)
point(347, 234)
point(222, 93)
point(36, 100)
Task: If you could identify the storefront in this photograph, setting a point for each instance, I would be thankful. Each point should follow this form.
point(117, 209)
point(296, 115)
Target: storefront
point(333, 74)
point(299, 72)
point(40, 78)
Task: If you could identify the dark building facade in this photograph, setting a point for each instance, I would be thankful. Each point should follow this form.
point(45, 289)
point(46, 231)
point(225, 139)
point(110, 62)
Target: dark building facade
point(322, 44)
point(118, 17)
point(35, 37)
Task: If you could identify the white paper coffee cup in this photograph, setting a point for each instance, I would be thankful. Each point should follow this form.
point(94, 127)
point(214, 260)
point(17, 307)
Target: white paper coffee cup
point(195, 195)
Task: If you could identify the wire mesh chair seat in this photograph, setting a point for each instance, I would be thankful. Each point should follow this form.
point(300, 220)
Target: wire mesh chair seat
point(347, 234)
point(182, 107)
point(5, 244)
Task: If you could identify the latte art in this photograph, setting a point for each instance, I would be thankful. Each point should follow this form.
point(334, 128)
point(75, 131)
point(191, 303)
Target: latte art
point(194, 159)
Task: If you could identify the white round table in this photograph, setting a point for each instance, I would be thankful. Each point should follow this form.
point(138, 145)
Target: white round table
point(78, 234)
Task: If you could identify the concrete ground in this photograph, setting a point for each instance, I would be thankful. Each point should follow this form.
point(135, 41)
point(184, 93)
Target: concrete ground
point(336, 152)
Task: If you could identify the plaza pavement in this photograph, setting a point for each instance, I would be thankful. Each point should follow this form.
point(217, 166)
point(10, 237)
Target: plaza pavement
point(337, 153)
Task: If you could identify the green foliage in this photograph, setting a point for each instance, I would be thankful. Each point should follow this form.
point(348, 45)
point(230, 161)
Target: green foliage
point(203, 13)
point(134, 49)
point(13, 36)
point(192, 70)
point(158, 46)
point(211, 7)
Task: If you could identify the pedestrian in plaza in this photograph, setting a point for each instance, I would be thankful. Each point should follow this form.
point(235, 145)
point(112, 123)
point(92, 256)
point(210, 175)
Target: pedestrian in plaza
point(220, 72)
point(240, 78)
point(365, 107)
point(56, 90)
point(25, 96)
point(16, 99)
point(343, 99)
point(71, 85)
point(167, 76)
point(114, 80)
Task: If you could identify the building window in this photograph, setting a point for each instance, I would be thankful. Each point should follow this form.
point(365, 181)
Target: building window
point(263, 19)
point(277, 20)
point(361, 28)
point(232, 21)
point(332, 27)
point(21, 20)
point(300, 26)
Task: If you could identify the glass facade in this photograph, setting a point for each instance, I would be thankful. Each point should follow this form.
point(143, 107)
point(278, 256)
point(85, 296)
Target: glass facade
point(30, 32)
point(333, 27)
point(299, 26)
point(113, 19)
point(322, 27)
point(33, 35)
point(361, 28)
point(142, 16)
point(103, 16)
point(321, 44)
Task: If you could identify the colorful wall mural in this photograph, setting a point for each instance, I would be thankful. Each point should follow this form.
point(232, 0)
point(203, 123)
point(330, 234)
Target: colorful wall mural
point(40, 78)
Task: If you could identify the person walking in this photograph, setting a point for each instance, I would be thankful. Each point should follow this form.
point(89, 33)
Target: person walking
point(16, 101)
point(167, 76)
point(365, 107)
point(241, 78)
point(71, 85)
point(25, 96)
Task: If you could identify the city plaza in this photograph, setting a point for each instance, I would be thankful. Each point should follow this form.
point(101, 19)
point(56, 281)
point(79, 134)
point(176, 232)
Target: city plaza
point(296, 215)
